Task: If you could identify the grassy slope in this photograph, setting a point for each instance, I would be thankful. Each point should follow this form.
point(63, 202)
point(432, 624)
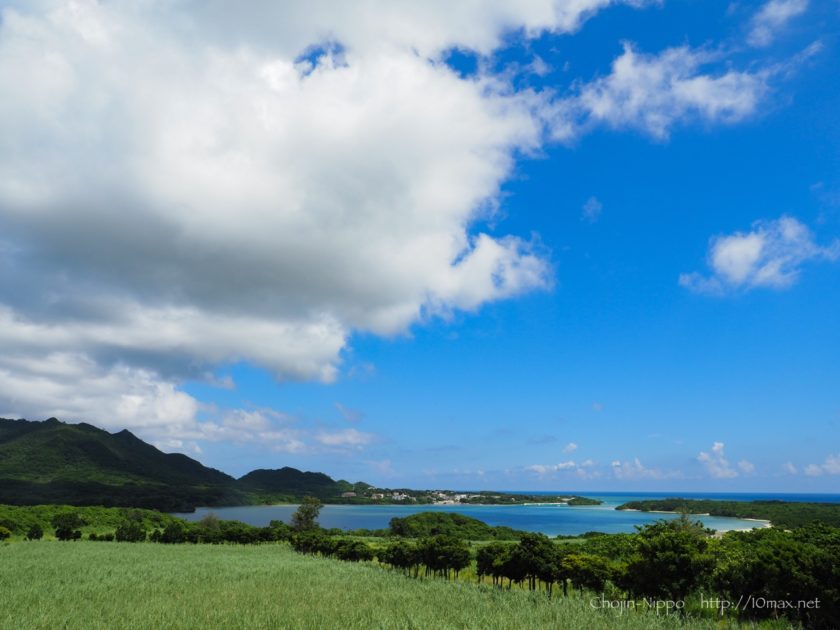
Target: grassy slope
point(112, 585)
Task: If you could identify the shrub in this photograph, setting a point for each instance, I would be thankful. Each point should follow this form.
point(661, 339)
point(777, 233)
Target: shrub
point(66, 533)
point(35, 532)
point(5, 533)
point(67, 520)
point(130, 532)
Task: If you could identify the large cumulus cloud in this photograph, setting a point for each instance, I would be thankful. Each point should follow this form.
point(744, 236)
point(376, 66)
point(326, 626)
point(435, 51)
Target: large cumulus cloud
point(185, 184)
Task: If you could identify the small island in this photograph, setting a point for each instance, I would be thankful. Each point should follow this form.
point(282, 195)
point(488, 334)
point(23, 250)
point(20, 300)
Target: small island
point(785, 514)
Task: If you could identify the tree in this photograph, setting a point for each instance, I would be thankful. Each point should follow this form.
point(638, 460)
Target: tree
point(586, 571)
point(353, 551)
point(776, 565)
point(65, 533)
point(306, 516)
point(35, 532)
point(209, 521)
point(67, 520)
point(279, 530)
point(539, 555)
point(130, 531)
point(5, 533)
point(671, 561)
point(312, 541)
point(442, 554)
point(401, 555)
point(490, 559)
point(175, 532)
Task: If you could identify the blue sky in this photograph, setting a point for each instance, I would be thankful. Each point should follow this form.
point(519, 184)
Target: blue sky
point(580, 251)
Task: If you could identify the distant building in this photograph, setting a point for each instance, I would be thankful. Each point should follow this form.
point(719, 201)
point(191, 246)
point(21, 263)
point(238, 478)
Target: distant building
point(347, 495)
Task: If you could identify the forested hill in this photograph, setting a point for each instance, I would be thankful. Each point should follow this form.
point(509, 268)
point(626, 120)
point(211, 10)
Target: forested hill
point(79, 464)
point(781, 513)
point(273, 484)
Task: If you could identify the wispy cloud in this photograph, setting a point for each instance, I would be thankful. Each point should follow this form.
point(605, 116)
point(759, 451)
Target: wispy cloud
point(592, 210)
point(831, 466)
point(344, 438)
point(772, 18)
point(635, 470)
point(654, 93)
point(770, 255)
point(571, 447)
point(544, 469)
point(716, 464)
point(351, 415)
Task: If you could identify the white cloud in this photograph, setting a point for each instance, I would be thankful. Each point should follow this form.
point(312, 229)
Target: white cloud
point(653, 93)
point(812, 470)
point(771, 18)
point(634, 470)
point(789, 468)
point(227, 203)
point(584, 470)
point(571, 447)
point(188, 185)
point(746, 467)
point(344, 438)
point(770, 255)
point(831, 466)
point(544, 469)
point(716, 464)
point(592, 210)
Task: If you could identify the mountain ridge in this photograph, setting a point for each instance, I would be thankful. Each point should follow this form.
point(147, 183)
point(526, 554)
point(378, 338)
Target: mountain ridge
point(79, 464)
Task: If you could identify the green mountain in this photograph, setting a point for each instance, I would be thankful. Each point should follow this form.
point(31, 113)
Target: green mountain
point(79, 464)
point(268, 485)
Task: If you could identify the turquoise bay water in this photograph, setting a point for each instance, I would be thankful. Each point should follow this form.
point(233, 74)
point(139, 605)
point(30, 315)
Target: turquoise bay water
point(548, 519)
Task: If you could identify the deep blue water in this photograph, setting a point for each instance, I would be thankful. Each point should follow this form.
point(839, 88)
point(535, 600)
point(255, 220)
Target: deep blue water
point(548, 519)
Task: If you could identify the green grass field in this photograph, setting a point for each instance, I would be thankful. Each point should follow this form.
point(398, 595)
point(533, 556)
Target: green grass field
point(121, 585)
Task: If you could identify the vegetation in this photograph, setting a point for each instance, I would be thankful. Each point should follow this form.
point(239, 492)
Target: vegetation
point(28, 521)
point(306, 516)
point(268, 486)
point(783, 514)
point(676, 562)
point(101, 586)
point(447, 523)
point(35, 532)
